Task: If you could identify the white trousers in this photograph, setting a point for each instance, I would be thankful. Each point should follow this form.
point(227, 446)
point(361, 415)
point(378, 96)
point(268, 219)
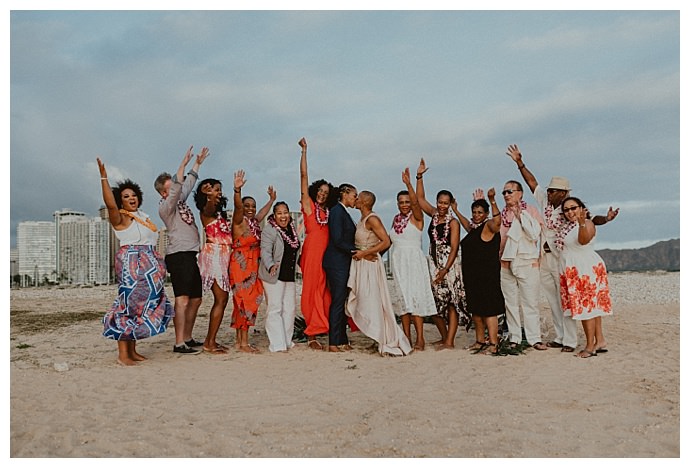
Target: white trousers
point(520, 286)
point(564, 326)
point(280, 314)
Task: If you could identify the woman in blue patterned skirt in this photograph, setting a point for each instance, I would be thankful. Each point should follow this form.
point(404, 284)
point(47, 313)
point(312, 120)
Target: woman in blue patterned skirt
point(141, 308)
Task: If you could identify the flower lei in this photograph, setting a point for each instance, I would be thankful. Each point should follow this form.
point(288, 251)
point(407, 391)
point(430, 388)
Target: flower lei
point(254, 227)
point(146, 223)
point(564, 229)
point(400, 222)
point(321, 214)
point(504, 214)
point(446, 229)
point(292, 241)
point(550, 223)
point(185, 212)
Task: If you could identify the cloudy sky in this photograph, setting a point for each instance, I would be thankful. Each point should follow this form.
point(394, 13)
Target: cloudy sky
point(590, 95)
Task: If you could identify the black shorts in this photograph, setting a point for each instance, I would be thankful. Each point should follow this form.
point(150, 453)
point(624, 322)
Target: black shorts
point(184, 273)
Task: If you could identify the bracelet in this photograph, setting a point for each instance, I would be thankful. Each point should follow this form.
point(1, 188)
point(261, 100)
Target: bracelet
point(236, 190)
point(583, 225)
point(104, 178)
point(418, 176)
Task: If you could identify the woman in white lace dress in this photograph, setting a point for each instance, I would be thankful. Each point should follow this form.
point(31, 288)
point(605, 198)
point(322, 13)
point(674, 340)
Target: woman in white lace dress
point(409, 265)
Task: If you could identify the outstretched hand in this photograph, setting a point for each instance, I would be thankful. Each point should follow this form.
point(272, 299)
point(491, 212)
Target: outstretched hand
point(202, 156)
point(303, 143)
point(239, 179)
point(272, 194)
point(478, 194)
point(611, 215)
point(514, 153)
point(101, 168)
point(406, 176)
point(422, 167)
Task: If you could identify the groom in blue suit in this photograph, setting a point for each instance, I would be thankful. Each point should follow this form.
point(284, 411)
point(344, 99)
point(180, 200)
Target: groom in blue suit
point(336, 264)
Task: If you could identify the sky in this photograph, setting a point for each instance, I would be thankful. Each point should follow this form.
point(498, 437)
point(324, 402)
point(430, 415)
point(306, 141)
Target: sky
point(593, 96)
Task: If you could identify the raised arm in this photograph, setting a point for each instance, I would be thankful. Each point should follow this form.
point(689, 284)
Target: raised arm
point(185, 160)
point(494, 224)
point(425, 205)
point(303, 178)
point(108, 198)
point(261, 214)
point(238, 211)
point(417, 213)
point(191, 179)
point(610, 216)
point(516, 155)
point(463, 221)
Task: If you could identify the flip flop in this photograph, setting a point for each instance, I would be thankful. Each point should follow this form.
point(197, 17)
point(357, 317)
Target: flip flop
point(601, 350)
point(585, 354)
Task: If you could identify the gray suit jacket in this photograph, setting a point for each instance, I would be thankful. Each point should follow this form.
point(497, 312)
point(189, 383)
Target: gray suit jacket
point(272, 248)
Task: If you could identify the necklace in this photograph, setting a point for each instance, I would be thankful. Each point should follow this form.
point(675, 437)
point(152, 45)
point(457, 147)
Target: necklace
point(400, 222)
point(550, 223)
point(565, 228)
point(504, 214)
point(146, 223)
point(435, 221)
point(321, 214)
point(254, 227)
point(292, 241)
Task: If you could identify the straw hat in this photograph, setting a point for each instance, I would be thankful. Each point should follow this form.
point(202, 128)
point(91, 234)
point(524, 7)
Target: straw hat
point(559, 183)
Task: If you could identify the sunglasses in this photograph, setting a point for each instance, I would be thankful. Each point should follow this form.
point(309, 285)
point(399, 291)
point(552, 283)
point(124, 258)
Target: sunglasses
point(509, 191)
point(572, 208)
point(554, 190)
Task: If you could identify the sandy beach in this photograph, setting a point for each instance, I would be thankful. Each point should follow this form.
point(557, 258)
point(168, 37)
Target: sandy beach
point(69, 398)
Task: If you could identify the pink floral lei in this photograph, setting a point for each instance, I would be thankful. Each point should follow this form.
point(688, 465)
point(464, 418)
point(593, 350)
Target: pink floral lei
point(292, 241)
point(254, 227)
point(321, 214)
point(446, 229)
point(400, 222)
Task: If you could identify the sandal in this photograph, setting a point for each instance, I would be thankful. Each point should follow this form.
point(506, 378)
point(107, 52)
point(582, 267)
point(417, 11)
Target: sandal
point(317, 345)
point(586, 354)
point(218, 350)
point(554, 344)
point(539, 346)
point(488, 351)
point(477, 346)
point(567, 349)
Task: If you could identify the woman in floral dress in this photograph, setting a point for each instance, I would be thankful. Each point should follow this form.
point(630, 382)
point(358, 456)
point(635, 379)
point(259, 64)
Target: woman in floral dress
point(445, 267)
point(584, 282)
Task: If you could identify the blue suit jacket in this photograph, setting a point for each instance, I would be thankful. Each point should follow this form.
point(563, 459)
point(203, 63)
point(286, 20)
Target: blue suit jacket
point(341, 239)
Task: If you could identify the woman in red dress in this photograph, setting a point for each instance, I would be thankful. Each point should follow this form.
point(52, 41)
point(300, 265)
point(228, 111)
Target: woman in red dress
point(316, 299)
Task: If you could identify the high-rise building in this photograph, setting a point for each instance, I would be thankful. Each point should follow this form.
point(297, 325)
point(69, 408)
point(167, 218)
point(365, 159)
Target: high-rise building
point(36, 246)
point(82, 248)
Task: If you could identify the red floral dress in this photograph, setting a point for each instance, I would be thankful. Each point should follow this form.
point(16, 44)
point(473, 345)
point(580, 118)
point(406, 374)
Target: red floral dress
point(584, 282)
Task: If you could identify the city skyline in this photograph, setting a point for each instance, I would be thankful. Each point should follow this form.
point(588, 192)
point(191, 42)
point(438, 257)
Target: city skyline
point(590, 95)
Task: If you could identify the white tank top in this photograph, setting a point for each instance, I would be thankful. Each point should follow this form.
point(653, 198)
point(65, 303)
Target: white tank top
point(137, 233)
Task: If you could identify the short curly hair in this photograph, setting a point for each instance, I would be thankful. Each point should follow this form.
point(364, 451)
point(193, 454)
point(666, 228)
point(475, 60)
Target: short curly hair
point(124, 185)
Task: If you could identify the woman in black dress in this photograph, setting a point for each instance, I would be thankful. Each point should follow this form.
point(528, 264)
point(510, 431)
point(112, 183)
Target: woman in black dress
point(481, 268)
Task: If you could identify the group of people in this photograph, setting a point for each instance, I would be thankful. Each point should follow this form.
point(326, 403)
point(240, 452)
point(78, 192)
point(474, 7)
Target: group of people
point(497, 268)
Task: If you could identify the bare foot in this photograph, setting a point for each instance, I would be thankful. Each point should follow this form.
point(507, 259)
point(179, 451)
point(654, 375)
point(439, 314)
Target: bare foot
point(334, 349)
point(347, 347)
point(126, 362)
point(443, 346)
point(214, 350)
point(419, 346)
point(437, 343)
point(248, 349)
point(138, 357)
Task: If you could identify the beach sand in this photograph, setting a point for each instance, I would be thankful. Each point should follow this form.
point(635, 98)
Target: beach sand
point(69, 398)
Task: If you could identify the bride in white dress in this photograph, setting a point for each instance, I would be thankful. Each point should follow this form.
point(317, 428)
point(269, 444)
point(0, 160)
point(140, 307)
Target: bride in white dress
point(369, 303)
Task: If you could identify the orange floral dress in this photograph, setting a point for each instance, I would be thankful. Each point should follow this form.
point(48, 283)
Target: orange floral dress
point(584, 282)
point(316, 298)
point(247, 288)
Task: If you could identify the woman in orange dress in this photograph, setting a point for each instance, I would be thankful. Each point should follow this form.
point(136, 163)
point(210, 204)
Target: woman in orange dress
point(247, 289)
point(316, 299)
